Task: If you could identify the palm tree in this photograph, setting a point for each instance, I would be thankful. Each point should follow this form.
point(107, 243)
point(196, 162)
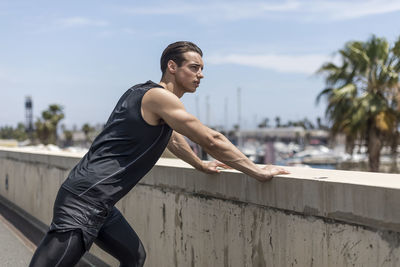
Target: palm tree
point(277, 122)
point(360, 93)
point(87, 130)
point(46, 127)
point(263, 123)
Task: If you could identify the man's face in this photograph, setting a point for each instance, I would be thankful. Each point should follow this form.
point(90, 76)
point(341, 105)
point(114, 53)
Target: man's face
point(189, 74)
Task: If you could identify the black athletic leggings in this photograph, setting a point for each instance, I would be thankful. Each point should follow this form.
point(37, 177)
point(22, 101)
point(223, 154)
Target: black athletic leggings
point(58, 249)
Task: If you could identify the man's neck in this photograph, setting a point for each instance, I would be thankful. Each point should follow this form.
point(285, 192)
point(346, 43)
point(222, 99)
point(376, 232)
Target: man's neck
point(172, 87)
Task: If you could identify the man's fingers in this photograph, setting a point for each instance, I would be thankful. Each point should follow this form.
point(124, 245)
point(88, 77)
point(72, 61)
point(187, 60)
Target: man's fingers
point(223, 165)
point(276, 170)
point(212, 167)
point(282, 171)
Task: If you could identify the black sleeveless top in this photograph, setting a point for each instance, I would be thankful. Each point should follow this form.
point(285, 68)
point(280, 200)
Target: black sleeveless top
point(121, 154)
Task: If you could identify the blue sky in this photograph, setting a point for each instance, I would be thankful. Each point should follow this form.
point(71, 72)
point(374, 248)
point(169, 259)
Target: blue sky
point(85, 54)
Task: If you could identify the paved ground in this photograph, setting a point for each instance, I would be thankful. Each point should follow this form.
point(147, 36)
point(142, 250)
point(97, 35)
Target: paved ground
point(15, 249)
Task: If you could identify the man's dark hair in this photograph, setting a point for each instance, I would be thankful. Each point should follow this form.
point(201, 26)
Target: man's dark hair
point(175, 52)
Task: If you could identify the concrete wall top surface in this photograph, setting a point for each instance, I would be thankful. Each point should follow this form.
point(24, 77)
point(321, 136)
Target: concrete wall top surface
point(335, 176)
point(362, 198)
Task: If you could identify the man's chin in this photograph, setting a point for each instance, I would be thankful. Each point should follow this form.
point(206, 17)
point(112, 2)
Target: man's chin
point(191, 90)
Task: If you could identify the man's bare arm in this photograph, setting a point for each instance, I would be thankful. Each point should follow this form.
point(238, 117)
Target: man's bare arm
point(169, 108)
point(180, 148)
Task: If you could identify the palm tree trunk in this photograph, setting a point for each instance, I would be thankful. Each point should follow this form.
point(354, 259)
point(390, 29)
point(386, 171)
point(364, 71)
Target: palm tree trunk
point(374, 148)
point(350, 144)
point(393, 147)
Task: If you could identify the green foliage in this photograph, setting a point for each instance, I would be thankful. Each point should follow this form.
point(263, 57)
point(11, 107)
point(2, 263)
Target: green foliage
point(7, 132)
point(19, 133)
point(304, 123)
point(46, 127)
point(88, 130)
point(362, 93)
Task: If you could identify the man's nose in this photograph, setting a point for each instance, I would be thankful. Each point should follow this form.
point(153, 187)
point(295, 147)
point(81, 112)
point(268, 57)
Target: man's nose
point(200, 74)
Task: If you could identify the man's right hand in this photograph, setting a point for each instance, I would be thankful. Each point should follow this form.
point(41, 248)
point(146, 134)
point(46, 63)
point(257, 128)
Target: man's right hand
point(270, 171)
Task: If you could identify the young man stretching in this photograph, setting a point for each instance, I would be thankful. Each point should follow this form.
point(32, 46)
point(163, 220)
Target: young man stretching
point(147, 118)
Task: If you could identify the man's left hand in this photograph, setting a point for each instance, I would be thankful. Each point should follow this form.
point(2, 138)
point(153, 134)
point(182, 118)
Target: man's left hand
point(212, 166)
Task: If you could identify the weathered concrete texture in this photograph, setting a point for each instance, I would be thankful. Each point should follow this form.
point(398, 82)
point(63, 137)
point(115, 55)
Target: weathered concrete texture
point(187, 230)
point(187, 218)
point(33, 186)
point(339, 195)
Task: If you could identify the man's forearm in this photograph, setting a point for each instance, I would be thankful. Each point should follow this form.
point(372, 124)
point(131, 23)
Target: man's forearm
point(223, 150)
point(180, 148)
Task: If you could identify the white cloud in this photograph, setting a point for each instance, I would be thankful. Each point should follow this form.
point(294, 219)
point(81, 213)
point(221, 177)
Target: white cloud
point(306, 64)
point(80, 21)
point(67, 23)
point(306, 10)
point(341, 10)
point(215, 10)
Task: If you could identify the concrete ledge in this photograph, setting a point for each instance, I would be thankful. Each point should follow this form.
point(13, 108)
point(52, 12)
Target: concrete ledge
point(364, 198)
point(368, 199)
point(61, 160)
point(312, 216)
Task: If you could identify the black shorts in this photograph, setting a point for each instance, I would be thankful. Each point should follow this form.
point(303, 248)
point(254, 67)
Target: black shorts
point(78, 223)
point(73, 212)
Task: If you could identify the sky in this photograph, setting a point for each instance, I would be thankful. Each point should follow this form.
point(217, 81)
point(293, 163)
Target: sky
point(83, 55)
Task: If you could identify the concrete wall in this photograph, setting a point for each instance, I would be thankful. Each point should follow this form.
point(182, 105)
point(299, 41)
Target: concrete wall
point(186, 218)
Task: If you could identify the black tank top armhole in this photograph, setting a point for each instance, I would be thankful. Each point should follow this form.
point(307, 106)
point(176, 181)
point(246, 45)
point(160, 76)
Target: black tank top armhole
point(140, 107)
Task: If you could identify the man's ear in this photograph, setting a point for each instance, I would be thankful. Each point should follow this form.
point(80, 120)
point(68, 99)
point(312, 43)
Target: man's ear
point(171, 66)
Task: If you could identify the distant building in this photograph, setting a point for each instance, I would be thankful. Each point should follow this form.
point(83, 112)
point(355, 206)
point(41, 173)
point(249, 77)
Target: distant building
point(286, 135)
point(8, 142)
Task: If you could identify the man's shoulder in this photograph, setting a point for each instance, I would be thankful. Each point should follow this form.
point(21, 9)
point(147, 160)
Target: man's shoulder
point(160, 95)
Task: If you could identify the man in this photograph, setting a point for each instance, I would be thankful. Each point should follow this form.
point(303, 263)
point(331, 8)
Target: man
point(146, 119)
